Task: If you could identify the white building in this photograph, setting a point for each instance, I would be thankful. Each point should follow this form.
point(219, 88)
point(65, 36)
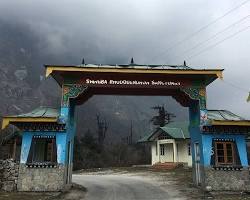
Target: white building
point(170, 143)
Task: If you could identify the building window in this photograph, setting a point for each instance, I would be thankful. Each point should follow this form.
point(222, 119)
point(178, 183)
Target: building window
point(43, 150)
point(225, 153)
point(163, 136)
point(162, 149)
point(189, 149)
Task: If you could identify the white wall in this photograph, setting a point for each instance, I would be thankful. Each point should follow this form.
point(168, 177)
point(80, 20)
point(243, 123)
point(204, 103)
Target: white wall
point(154, 153)
point(182, 154)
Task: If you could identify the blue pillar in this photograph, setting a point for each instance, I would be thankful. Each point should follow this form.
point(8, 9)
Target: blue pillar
point(72, 130)
point(63, 139)
point(194, 129)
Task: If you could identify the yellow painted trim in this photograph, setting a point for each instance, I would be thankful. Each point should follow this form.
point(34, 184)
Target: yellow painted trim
point(50, 69)
point(230, 123)
point(9, 120)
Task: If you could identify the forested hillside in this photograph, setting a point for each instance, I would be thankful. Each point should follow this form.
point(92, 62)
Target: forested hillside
point(24, 87)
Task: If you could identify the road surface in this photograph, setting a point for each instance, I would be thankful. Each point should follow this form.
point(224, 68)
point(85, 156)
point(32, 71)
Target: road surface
point(122, 187)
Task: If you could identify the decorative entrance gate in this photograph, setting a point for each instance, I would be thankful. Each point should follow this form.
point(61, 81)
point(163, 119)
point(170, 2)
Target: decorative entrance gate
point(79, 83)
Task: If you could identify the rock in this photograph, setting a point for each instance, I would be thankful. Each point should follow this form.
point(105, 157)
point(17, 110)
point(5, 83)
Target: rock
point(8, 175)
point(8, 186)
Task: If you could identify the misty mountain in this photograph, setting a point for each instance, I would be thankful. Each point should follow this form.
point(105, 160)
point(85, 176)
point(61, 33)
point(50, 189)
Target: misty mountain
point(24, 87)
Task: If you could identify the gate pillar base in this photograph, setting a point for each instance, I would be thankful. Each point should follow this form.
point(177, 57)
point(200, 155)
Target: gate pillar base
point(237, 179)
point(39, 179)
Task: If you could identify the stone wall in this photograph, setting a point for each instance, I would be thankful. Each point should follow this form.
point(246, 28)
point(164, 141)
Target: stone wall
point(41, 179)
point(8, 175)
point(227, 180)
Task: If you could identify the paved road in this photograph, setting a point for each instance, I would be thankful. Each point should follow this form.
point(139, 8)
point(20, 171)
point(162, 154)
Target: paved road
point(120, 187)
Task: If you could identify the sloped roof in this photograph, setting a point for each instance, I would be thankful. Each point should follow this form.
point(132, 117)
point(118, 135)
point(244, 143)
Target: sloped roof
point(223, 115)
point(226, 118)
point(177, 130)
point(146, 137)
point(41, 114)
point(59, 71)
point(134, 66)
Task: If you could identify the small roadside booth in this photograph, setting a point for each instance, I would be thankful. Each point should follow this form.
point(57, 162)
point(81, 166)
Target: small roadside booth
point(225, 152)
point(41, 167)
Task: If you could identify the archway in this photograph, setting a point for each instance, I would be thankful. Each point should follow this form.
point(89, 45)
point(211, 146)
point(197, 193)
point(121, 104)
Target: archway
point(78, 83)
point(187, 86)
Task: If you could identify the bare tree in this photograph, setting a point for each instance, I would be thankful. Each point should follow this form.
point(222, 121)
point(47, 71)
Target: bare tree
point(163, 117)
point(102, 129)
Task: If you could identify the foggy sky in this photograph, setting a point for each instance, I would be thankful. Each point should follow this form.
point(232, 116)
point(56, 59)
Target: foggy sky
point(113, 31)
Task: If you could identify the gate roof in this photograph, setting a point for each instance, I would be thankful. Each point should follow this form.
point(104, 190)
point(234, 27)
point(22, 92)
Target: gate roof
point(41, 114)
point(207, 75)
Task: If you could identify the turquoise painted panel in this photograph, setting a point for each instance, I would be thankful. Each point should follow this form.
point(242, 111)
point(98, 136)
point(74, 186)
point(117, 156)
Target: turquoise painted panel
point(67, 114)
point(64, 115)
point(61, 144)
point(241, 144)
point(26, 143)
point(239, 140)
point(207, 148)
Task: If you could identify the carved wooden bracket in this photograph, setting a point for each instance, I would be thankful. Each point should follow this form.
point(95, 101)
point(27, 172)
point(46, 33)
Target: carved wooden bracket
point(71, 91)
point(197, 94)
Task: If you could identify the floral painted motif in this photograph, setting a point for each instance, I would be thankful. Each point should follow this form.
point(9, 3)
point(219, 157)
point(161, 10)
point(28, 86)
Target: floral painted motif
point(72, 91)
point(197, 94)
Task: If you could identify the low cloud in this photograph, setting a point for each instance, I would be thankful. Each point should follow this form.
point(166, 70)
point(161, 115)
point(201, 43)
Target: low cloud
point(113, 31)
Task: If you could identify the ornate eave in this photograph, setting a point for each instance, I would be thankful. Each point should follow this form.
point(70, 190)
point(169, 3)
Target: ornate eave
point(230, 123)
point(58, 72)
point(226, 129)
point(40, 126)
point(40, 119)
point(23, 120)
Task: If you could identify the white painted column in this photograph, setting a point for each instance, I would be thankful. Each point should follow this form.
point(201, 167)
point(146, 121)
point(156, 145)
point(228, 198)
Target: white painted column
point(158, 150)
point(175, 151)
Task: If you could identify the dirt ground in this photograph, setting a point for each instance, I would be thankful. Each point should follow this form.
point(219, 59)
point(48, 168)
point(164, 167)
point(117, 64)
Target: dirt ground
point(26, 196)
point(76, 192)
point(176, 183)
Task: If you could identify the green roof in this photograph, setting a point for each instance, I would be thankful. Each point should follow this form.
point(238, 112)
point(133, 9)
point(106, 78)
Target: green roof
point(176, 130)
point(179, 130)
point(223, 115)
point(134, 66)
point(40, 112)
point(146, 137)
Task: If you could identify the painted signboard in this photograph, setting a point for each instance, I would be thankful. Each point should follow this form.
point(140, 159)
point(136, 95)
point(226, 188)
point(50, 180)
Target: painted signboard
point(131, 83)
